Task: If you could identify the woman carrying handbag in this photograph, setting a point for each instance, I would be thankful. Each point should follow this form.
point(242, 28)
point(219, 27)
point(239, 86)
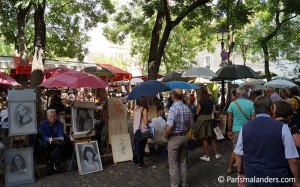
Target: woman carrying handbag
point(141, 132)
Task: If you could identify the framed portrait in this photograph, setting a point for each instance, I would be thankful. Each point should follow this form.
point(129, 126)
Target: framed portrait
point(82, 119)
point(22, 112)
point(121, 148)
point(117, 127)
point(19, 167)
point(88, 157)
point(117, 109)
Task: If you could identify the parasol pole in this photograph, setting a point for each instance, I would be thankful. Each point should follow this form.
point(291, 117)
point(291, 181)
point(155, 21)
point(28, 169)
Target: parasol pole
point(222, 96)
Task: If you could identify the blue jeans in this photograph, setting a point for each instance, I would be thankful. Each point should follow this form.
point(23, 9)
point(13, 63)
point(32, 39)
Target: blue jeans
point(139, 148)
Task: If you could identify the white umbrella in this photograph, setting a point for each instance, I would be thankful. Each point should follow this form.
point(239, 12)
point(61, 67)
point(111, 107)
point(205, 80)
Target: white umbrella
point(297, 80)
point(280, 78)
point(280, 83)
point(135, 81)
point(199, 72)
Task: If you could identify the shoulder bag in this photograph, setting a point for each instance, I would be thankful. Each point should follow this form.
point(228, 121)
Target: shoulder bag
point(241, 110)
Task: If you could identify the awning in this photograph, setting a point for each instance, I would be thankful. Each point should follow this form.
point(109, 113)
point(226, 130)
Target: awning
point(119, 73)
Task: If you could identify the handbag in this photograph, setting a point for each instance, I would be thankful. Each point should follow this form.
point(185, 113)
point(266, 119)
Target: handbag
point(218, 133)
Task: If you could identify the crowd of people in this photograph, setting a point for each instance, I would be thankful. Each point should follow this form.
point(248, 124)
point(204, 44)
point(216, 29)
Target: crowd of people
point(259, 124)
point(263, 127)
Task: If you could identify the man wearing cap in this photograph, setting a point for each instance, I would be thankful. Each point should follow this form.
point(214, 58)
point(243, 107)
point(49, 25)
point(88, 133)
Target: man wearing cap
point(274, 96)
point(179, 122)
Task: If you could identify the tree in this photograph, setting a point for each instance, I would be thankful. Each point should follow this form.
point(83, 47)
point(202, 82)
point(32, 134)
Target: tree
point(161, 17)
point(67, 22)
point(157, 15)
point(6, 49)
point(273, 31)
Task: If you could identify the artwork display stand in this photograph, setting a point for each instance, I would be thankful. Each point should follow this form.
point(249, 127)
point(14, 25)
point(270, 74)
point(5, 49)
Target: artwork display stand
point(117, 122)
point(79, 139)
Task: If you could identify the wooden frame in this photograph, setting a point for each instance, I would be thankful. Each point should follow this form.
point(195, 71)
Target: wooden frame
point(19, 168)
point(88, 157)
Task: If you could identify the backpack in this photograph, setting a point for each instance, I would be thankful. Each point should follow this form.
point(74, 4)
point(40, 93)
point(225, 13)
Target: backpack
point(298, 109)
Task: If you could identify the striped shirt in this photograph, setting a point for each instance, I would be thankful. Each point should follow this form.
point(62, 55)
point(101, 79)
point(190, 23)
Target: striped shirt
point(180, 117)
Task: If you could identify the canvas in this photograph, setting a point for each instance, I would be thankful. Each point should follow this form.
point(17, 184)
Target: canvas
point(22, 112)
point(88, 157)
point(19, 167)
point(82, 120)
point(117, 127)
point(121, 148)
point(117, 109)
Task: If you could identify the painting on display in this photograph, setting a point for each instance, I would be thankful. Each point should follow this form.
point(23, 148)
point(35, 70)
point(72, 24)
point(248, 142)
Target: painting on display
point(88, 157)
point(83, 117)
point(117, 108)
point(117, 127)
point(19, 167)
point(22, 112)
point(121, 148)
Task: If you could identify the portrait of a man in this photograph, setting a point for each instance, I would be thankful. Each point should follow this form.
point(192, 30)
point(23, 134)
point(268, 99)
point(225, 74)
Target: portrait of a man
point(88, 157)
point(18, 166)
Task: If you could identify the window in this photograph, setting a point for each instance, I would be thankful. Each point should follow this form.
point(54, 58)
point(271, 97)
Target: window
point(207, 62)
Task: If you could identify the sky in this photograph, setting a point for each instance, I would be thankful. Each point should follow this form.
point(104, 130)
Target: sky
point(98, 43)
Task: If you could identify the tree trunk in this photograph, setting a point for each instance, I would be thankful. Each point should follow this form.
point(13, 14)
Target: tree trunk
point(154, 67)
point(154, 44)
point(39, 54)
point(39, 46)
point(21, 17)
point(266, 57)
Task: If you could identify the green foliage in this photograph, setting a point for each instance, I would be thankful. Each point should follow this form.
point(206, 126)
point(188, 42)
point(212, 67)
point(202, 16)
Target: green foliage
point(67, 22)
point(6, 49)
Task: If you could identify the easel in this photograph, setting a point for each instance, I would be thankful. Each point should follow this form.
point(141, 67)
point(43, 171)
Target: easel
point(79, 139)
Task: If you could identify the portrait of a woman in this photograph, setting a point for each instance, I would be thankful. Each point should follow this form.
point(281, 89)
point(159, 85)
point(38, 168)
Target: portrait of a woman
point(84, 120)
point(23, 116)
point(18, 166)
point(89, 163)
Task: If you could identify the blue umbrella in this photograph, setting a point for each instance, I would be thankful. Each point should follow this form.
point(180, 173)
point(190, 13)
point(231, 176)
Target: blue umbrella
point(148, 88)
point(181, 85)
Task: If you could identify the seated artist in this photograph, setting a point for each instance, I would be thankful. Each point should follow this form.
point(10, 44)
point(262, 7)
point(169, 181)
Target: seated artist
point(53, 139)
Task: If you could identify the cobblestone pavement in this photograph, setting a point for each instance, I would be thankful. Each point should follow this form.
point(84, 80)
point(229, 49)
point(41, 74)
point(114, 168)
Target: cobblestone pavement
point(200, 173)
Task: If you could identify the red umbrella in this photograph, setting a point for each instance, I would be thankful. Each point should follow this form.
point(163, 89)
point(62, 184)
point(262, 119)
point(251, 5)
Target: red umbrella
point(7, 80)
point(75, 79)
point(55, 71)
